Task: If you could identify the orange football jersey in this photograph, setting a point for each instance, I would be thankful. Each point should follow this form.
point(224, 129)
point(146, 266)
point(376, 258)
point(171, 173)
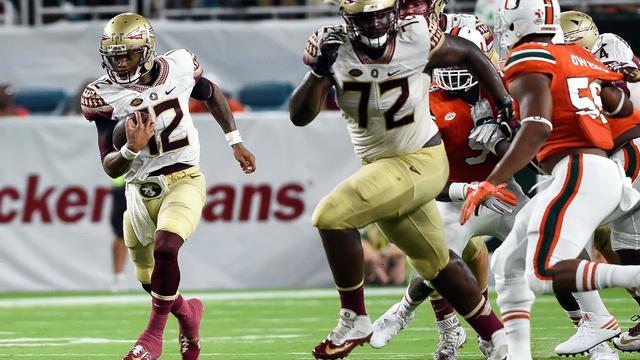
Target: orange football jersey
point(577, 108)
point(453, 117)
point(620, 125)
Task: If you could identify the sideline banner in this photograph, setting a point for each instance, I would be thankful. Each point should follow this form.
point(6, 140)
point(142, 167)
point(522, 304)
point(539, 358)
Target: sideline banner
point(255, 231)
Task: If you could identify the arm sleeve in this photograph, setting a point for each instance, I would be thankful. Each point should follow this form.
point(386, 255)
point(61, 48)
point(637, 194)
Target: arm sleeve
point(202, 90)
point(105, 131)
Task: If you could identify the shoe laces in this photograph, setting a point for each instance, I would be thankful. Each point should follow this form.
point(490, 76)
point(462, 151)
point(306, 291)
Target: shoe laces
point(138, 350)
point(448, 340)
point(635, 330)
point(185, 343)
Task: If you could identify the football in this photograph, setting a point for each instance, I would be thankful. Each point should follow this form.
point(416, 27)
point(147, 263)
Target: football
point(119, 135)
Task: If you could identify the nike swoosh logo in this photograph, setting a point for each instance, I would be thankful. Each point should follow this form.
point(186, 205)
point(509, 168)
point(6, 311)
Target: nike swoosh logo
point(330, 350)
point(391, 73)
point(167, 92)
point(624, 341)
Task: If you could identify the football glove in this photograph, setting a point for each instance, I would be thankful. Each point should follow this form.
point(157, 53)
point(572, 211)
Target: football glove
point(508, 125)
point(460, 191)
point(481, 194)
point(630, 72)
point(486, 130)
point(329, 46)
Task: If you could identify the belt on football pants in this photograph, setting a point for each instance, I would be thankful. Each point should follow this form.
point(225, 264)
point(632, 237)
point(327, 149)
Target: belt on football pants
point(170, 169)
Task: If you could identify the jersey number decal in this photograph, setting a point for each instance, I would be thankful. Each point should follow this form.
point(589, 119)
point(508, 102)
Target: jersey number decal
point(364, 88)
point(590, 104)
point(473, 145)
point(165, 142)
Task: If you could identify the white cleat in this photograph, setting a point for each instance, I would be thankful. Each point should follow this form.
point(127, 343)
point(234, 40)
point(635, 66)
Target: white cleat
point(451, 338)
point(387, 326)
point(593, 330)
point(630, 339)
point(352, 330)
point(496, 349)
point(603, 352)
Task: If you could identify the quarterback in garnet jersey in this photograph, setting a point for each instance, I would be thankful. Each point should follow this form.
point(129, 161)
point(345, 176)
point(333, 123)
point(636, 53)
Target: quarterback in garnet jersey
point(165, 190)
point(459, 108)
point(558, 89)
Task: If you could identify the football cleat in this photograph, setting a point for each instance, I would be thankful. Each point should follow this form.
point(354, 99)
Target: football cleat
point(630, 339)
point(386, 327)
point(138, 352)
point(190, 347)
point(352, 330)
point(603, 352)
point(593, 330)
point(496, 349)
point(451, 338)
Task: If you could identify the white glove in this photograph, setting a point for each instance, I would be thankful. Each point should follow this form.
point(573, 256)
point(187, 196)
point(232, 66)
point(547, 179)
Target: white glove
point(486, 131)
point(458, 192)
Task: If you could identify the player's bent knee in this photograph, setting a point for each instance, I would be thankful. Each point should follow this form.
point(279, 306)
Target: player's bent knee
point(143, 273)
point(473, 249)
point(538, 285)
point(329, 215)
point(429, 268)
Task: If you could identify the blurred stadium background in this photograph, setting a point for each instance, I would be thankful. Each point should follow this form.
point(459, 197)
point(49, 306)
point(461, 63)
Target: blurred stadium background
point(55, 239)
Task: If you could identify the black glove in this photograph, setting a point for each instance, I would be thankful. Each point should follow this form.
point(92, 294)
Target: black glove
point(329, 46)
point(508, 125)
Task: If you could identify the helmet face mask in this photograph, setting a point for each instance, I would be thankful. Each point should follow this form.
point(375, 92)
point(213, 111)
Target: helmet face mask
point(127, 48)
point(370, 22)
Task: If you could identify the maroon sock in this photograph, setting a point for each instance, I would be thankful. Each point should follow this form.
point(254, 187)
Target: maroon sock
point(484, 321)
point(353, 300)
point(160, 310)
point(441, 308)
point(180, 309)
point(165, 277)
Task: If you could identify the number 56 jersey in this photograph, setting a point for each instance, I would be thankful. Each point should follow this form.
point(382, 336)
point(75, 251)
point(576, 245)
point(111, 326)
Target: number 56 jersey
point(176, 138)
point(386, 102)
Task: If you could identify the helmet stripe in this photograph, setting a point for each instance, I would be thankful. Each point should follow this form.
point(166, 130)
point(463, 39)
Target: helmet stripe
point(548, 16)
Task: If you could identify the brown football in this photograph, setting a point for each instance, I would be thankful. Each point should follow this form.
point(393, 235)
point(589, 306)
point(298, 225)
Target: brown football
point(119, 135)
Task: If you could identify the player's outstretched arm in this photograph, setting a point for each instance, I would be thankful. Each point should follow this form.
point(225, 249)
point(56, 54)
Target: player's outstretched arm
point(307, 99)
point(536, 105)
point(215, 101)
point(457, 51)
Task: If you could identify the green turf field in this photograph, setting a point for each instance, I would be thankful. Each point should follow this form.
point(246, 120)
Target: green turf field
point(262, 325)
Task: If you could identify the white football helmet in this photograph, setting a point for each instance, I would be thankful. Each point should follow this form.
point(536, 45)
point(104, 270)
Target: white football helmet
point(519, 18)
point(456, 78)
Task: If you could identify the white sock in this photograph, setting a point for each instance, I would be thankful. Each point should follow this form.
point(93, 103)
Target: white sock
point(407, 305)
point(590, 301)
point(518, 329)
point(574, 316)
point(592, 276)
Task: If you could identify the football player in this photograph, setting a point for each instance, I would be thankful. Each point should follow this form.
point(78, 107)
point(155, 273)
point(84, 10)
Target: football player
point(457, 103)
point(379, 66)
point(165, 189)
point(613, 51)
point(558, 90)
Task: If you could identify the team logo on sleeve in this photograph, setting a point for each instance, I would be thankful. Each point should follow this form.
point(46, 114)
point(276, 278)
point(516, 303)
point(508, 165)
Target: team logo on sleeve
point(136, 102)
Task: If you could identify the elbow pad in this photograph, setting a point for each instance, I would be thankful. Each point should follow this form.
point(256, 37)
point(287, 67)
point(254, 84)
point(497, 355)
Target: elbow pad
point(202, 90)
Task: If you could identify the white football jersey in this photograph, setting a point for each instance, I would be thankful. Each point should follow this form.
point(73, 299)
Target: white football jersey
point(611, 48)
point(176, 138)
point(386, 102)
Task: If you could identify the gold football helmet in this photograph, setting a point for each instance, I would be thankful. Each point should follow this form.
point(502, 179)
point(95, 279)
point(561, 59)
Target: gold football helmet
point(128, 48)
point(370, 21)
point(579, 29)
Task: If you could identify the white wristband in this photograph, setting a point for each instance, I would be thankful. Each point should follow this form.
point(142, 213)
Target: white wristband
point(127, 153)
point(233, 137)
point(458, 191)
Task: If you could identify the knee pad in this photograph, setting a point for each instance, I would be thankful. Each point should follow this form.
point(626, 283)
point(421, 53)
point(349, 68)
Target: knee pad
point(328, 215)
point(428, 269)
point(537, 285)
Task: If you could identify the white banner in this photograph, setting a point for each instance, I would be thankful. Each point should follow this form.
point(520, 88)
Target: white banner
point(255, 230)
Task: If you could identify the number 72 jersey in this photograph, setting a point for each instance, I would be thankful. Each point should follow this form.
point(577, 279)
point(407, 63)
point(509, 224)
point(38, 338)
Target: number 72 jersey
point(176, 138)
point(386, 102)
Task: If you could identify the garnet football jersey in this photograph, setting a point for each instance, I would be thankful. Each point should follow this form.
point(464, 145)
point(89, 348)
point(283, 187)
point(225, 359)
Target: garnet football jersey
point(468, 161)
point(577, 108)
point(176, 138)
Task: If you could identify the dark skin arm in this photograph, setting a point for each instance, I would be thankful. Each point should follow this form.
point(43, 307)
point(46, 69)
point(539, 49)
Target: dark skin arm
point(534, 96)
point(455, 50)
point(219, 108)
point(307, 99)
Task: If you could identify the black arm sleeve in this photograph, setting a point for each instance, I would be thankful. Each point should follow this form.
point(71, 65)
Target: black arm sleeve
point(105, 131)
point(202, 90)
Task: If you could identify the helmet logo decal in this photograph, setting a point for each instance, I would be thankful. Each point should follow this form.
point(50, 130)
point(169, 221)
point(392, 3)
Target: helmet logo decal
point(538, 17)
point(135, 34)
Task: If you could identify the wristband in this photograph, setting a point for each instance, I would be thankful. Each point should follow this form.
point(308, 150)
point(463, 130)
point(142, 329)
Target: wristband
point(458, 191)
point(233, 137)
point(316, 74)
point(127, 153)
point(538, 119)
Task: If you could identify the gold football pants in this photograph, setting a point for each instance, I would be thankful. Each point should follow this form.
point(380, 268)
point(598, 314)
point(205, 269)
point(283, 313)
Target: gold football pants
point(397, 193)
point(178, 212)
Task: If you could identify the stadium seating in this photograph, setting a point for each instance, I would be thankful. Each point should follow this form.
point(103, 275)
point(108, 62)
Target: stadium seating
point(43, 100)
point(265, 96)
